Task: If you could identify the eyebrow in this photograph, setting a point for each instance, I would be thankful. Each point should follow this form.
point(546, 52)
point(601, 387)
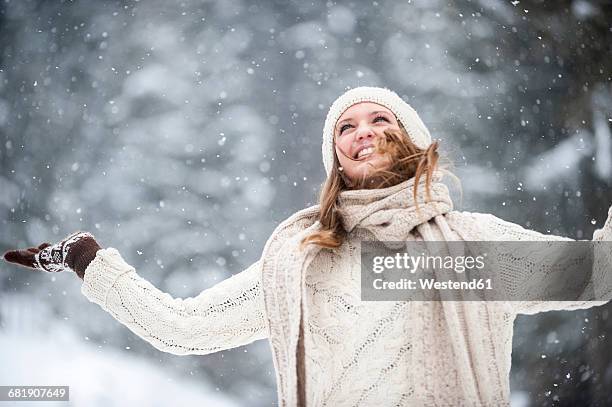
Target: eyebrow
point(371, 114)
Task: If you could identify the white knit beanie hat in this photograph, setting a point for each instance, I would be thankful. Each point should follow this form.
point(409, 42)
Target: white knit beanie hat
point(403, 111)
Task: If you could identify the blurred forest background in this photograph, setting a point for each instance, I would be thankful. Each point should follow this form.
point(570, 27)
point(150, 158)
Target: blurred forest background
point(182, 133)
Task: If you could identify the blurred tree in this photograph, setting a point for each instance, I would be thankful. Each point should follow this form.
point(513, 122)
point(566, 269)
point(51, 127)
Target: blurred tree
point(182, 133)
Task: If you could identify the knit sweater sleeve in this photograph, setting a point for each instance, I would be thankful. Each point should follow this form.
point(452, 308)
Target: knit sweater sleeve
point(597, 292)
point(227, 315)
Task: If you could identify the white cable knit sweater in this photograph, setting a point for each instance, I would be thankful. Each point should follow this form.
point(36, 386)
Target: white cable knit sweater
point(351, 352)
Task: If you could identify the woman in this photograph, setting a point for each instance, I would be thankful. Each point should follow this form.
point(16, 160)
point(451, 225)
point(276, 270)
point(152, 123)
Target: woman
point(303, 294)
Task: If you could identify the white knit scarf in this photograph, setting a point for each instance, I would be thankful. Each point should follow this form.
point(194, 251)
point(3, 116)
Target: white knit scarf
point(389, 213)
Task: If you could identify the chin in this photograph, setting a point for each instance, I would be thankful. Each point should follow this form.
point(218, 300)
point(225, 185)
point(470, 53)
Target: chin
point(374, 163)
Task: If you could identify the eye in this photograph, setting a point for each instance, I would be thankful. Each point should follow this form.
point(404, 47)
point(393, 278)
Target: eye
point(381, 118)
point(344, 127)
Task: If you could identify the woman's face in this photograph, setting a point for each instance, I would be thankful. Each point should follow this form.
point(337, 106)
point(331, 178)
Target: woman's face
point(354, 134)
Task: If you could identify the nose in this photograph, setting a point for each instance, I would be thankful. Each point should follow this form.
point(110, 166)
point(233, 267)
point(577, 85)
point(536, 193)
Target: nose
point(364, 131)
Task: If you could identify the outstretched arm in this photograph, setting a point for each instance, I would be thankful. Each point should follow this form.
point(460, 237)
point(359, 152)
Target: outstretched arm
point(227, 315)
point(596, 293)
point(488, 227)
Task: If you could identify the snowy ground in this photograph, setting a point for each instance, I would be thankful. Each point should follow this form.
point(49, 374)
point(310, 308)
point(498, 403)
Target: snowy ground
point(96, 378)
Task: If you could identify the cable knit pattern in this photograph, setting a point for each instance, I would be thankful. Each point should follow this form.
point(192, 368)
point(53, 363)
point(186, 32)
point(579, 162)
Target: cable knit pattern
point(487, 227)
point(441, 353)
point(391, 213)
point(362, 353)
point(308, 304)
point(225, 316)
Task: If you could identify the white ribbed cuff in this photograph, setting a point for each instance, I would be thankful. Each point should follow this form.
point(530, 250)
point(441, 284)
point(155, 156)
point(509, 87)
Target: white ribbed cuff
point(101, 274)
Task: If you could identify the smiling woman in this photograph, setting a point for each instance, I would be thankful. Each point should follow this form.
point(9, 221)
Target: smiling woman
point(355, 136)
point(373, 150)
point(372, 147)
point(304, 293)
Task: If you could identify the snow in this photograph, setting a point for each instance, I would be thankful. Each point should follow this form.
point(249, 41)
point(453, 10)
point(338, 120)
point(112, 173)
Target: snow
point(481, 180)
point(104, 377)
point(520, 399)
point(603, 149)
point(170, 130)
point(10, 192)
point(341, 20)
point(584, 9)
point(561, 161)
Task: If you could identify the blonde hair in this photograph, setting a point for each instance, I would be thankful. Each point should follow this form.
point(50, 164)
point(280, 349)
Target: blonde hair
point(407, 161)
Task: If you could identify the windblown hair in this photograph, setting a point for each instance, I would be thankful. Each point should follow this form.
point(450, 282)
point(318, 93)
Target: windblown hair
point(407, 161)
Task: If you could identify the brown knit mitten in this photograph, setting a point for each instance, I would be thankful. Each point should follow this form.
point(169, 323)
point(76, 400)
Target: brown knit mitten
point(74, 253)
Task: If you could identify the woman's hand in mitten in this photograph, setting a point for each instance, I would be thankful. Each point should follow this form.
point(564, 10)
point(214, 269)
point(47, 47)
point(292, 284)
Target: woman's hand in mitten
point(74, 253)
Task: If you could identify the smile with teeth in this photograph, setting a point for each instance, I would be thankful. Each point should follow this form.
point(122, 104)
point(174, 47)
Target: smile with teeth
point(365, 152)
